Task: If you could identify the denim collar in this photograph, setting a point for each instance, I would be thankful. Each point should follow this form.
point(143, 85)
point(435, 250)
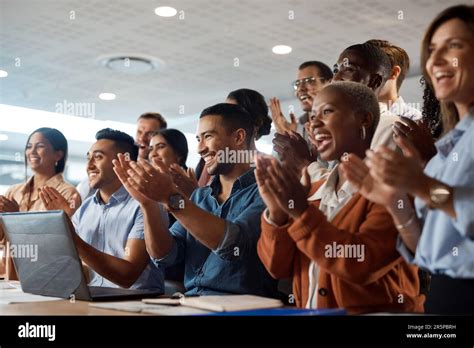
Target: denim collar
point(447, 143)
point(246, 179)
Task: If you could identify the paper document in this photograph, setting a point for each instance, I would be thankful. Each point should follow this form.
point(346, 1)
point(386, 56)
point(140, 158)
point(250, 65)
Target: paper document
point(9, 284)
point(140, 307)
point(162, 301)
point(228, 303)
point(12, 296)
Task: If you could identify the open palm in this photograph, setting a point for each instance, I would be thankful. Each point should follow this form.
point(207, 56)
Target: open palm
point(358, 174)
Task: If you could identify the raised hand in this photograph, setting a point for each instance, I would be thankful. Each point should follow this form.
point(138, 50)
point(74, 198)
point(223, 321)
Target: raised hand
point(279, 120)
point(151, 179)
point(358, 174)
point(185, 180)
point(121, 167)
point(403, 172)
point(293, 150)
point(53, 200)
point(8, 206)
point(419, 135)
point(290, 193)
point(276, 214)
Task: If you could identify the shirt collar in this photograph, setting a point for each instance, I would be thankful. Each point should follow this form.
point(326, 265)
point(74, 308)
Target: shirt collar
point(246, 179)
point(383, 108)
point(118, 196)
point(397, 107)
point(447, 143)
point(330, 186)
point(54, 181)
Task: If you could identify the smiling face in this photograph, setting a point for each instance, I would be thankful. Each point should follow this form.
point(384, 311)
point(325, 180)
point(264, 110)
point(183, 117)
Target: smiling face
point(450, 65)
point(352, 67)
point(162, 151)
point(335, 126)
point(40, 154)
point(213, 138)
point(307, 91)
point(145, 128)
point(99, 164)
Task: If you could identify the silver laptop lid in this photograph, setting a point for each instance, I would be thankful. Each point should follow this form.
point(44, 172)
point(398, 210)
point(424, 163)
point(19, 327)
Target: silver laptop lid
point(44, 253)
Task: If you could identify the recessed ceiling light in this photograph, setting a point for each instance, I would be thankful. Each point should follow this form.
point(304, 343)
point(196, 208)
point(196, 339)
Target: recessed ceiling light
point(281, 49)
point(3, 73)
point(3, 137)
point(165, 11)
point(107, 96)
point(131, 63)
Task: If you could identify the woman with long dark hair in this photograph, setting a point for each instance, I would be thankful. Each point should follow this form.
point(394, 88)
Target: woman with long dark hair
point(45, 154)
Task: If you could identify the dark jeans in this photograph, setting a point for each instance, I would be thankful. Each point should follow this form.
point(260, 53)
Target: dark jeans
point(450, 296)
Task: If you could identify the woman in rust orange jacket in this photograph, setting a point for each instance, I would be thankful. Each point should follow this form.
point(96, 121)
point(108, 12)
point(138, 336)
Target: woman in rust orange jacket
point(339, 247)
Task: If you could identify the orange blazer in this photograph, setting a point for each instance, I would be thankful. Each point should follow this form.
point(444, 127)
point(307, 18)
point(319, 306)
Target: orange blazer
point(383, 282)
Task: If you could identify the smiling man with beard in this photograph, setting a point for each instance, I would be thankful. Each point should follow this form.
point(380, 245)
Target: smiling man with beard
point(217, 229)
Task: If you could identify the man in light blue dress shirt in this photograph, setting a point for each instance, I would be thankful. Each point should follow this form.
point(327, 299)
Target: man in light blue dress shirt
point(110, 223)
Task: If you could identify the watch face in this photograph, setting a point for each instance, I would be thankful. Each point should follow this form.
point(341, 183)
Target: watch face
point(176, 201)
point(439, 194)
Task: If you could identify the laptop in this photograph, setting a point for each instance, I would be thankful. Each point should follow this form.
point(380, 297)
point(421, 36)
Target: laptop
point(47, 262)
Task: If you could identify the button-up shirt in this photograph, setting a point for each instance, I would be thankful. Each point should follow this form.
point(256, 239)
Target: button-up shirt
point(332, 202)
point(234, 266)
point(446, 245)
point(29, 199)
point(108, 227)
point(400, 108)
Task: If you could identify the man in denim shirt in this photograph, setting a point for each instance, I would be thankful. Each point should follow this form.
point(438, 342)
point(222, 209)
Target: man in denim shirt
point(218, 227)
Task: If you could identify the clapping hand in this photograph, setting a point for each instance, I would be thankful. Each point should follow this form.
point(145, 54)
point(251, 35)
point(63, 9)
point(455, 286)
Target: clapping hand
point(145, 181)
point(7, 205)
point(281, 124)
point(281, 188)
point(53, 200)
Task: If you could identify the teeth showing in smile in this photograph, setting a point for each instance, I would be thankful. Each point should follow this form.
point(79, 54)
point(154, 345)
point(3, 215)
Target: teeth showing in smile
point(208, 158)
point(92, 175)
point(442, 74)
point(321, 136)
point(304, 97)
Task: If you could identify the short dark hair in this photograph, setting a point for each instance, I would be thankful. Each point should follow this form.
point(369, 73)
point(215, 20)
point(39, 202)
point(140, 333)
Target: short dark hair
point(374, 57)
point(178, 143)
point(324, 70)
point(360, 98)
point(123, 141)
point(397, 55)
point(254, 103)
point(57, 140)
point(234, 117)
point(154, 116)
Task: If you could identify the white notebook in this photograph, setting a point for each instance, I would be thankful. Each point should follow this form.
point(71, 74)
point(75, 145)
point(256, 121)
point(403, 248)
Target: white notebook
point(225, 303)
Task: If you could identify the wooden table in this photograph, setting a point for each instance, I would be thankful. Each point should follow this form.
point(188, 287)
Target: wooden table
point(61, 307)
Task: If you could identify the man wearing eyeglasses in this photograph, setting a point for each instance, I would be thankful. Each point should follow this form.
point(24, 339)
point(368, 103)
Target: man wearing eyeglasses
point(291, 140)
point(311, 78)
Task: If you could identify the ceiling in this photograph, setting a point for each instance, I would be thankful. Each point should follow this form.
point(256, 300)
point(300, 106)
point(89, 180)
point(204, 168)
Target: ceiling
point(51, 52)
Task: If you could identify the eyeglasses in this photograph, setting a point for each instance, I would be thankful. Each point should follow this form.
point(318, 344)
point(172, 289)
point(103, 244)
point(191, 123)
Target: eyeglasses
point(306, 81)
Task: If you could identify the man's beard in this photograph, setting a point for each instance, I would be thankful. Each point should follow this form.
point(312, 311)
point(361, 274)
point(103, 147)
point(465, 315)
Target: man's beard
point(220, 169)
